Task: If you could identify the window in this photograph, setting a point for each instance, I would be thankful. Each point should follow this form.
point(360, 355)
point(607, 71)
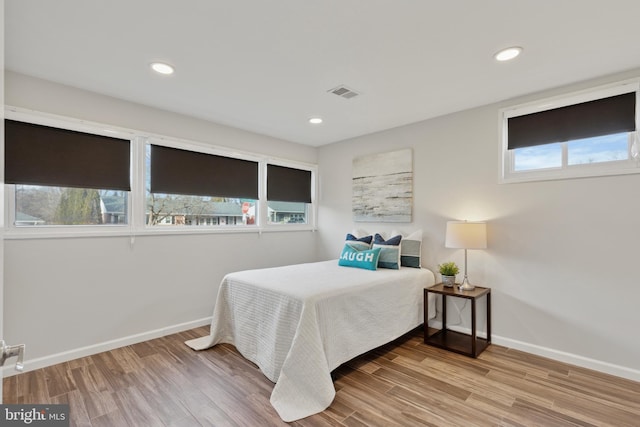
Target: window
point(70, 177)
point(190, 188)
point(588, 134)
point(65, 177)
point(288, 194)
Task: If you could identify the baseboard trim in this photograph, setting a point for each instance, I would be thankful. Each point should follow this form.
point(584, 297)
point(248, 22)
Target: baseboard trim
point(42, 362)
point(573, 359)
point(561, 356)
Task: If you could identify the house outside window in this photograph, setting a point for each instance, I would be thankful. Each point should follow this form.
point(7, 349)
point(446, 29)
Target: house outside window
point(287, 212)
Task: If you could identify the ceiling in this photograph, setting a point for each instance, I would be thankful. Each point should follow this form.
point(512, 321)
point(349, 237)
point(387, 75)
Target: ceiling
point(267, 66)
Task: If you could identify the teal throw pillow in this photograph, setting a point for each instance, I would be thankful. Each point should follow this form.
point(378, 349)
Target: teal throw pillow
point(389, 251)
point(367, 259)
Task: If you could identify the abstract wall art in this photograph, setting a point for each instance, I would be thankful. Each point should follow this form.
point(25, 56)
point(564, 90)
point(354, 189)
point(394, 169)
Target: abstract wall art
point(382, 187)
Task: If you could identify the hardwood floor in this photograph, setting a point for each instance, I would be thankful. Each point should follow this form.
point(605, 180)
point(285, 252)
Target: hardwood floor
point(164, 383)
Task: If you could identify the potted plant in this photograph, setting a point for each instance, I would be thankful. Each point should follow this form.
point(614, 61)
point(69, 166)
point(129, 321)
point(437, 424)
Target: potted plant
point(448, 271)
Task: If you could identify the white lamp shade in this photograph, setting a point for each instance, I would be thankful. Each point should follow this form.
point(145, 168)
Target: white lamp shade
point(466, 235)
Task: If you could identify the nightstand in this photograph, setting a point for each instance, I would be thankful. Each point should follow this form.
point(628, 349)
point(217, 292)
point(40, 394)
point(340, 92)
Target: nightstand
point(469, 345)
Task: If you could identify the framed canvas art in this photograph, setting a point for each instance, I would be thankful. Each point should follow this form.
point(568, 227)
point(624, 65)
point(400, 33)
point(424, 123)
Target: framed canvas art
point(382, 187)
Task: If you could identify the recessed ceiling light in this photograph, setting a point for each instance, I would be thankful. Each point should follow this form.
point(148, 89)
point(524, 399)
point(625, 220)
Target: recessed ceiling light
point(508, 53)
point(162, 68)
point(315, 120)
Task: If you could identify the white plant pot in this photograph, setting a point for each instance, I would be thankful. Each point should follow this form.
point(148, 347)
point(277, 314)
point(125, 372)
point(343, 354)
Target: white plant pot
point(448, 281)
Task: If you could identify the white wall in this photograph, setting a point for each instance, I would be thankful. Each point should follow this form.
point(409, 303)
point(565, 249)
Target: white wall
point(562, 257)
point(74, 296)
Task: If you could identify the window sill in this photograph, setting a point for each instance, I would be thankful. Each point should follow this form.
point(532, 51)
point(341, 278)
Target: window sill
point(581, 171)
point(124, 231)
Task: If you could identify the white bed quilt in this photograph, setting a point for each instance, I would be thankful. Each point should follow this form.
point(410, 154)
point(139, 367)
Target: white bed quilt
point(300, 322)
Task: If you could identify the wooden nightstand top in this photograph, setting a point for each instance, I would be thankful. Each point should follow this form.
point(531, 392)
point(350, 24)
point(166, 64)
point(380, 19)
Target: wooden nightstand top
point(455, 292)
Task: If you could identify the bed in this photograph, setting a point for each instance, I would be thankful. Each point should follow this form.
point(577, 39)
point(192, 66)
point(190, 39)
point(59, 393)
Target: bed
point(300, 322)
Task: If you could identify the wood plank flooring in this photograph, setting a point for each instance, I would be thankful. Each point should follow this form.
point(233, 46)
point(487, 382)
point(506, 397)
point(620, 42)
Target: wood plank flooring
point(404, 383)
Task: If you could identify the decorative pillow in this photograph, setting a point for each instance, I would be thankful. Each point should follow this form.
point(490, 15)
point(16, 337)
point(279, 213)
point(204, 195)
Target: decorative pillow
point(359, 243)
point(367, 259)
point(411, 250)
point(389, 251)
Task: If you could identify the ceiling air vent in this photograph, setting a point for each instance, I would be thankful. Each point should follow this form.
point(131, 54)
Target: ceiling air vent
point(344, 92)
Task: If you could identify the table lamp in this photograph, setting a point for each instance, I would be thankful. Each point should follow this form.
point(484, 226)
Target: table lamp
point(466, 235)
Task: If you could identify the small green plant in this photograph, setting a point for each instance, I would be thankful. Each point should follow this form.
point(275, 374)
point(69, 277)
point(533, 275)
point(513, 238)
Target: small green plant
point(448, 269)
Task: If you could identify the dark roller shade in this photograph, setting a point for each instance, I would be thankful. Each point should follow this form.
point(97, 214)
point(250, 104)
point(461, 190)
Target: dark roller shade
point(288, 184)
point(43, 155)
point(175, 171)
point(604, 116)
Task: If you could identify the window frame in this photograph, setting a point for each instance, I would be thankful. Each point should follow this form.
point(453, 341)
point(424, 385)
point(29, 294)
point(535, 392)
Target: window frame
point(199, 148)
point(312, 208)
point(44, 231)
point(136, 203)
point(507, 174)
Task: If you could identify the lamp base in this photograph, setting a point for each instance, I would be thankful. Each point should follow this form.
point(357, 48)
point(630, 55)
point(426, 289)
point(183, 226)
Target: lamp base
point(465, 285)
